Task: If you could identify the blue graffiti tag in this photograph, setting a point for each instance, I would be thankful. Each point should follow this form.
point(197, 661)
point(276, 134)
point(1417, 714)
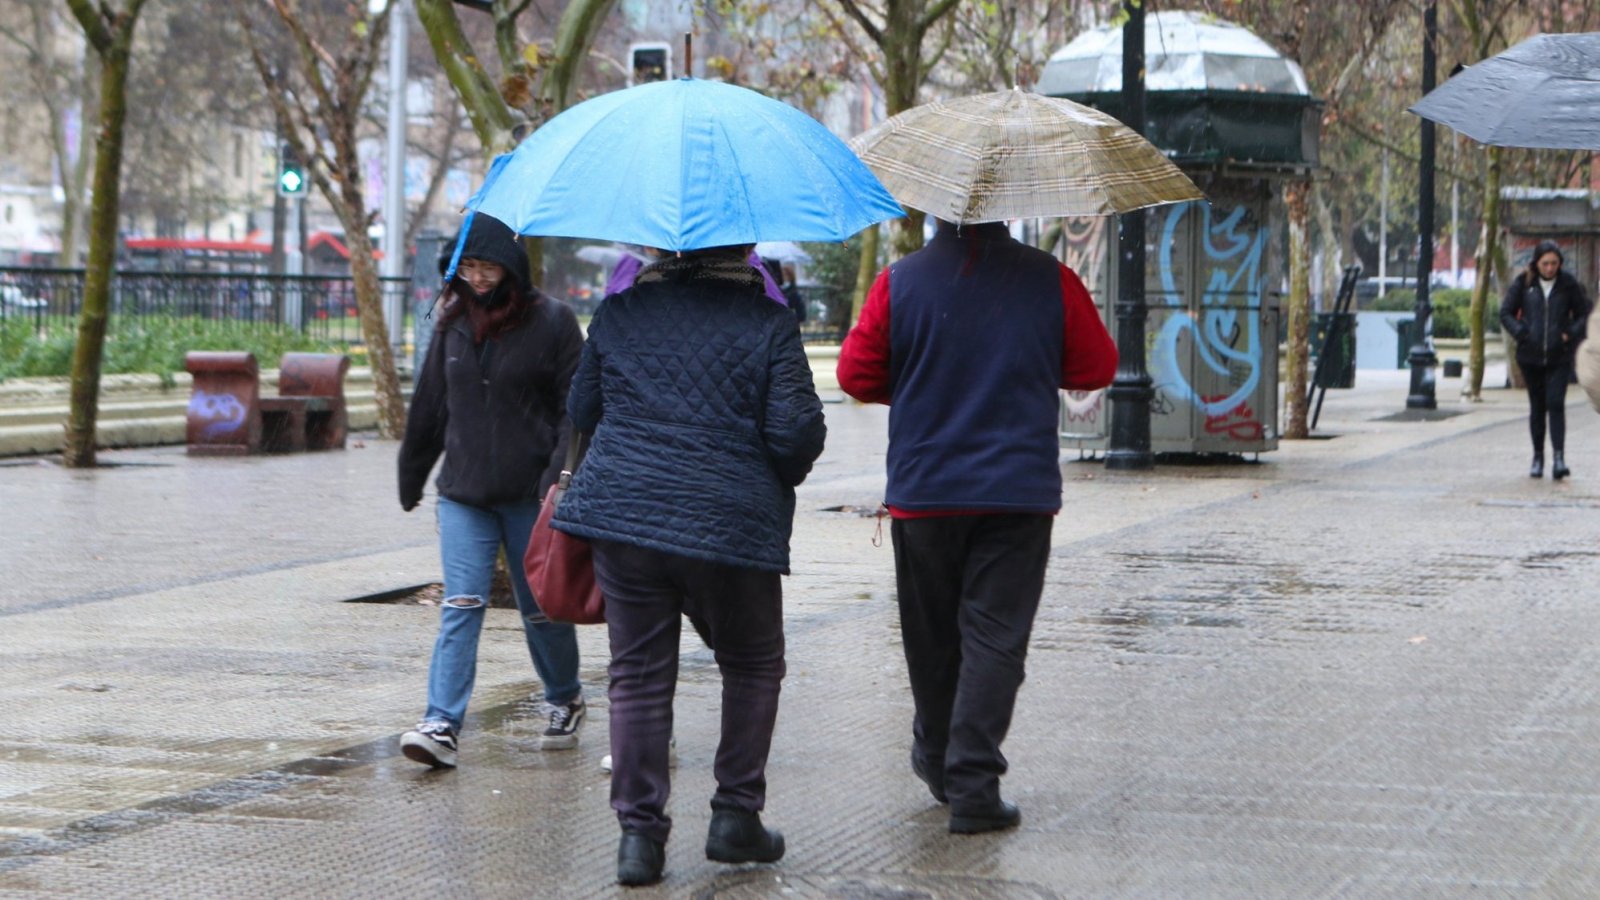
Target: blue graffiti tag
point(224, 411)
point(1234, 257)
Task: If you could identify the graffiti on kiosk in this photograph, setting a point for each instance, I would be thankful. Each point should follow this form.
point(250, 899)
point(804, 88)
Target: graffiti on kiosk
point(224, 412)
point(1238, 423)
point(1232, 257)
point(1081, 406)
point(1084, 239)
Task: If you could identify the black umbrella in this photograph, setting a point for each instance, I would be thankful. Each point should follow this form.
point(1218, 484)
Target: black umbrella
point(1544, 92)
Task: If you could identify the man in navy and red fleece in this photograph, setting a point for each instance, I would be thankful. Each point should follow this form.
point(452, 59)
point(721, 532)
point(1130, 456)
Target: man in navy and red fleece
point(968, 341)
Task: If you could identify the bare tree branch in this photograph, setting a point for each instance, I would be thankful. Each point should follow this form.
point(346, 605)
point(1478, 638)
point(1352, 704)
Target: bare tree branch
point(855, 12)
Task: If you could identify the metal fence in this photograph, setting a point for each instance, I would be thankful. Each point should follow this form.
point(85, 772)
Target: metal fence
point(320, 306)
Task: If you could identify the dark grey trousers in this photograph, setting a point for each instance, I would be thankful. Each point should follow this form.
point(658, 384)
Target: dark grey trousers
point(968, 587)
point(739, 611)
point(1547, 398)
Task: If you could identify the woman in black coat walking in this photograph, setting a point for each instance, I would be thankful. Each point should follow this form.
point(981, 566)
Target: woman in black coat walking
point(492, 398)
point(1545, 311)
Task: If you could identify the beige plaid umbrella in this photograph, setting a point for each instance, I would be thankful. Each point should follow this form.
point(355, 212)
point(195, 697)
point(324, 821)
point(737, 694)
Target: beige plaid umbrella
point(1018, 155)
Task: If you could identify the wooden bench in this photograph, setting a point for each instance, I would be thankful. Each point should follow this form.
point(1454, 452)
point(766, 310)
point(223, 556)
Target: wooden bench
point(227, 415)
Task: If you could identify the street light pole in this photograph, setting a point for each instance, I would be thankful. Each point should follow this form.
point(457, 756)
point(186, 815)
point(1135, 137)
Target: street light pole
point(394, 178)
point(1422, 359)
point(1131, 390)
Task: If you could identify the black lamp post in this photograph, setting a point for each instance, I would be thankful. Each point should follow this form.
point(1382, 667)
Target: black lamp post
point(1422, 359)
point(1131, 390)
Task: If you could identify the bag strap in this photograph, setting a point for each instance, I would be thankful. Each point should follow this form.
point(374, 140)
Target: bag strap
point(575, 446)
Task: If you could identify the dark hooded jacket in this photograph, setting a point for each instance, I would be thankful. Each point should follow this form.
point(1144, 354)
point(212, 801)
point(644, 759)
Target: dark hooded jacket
point(1537, 322)
point(496, 409)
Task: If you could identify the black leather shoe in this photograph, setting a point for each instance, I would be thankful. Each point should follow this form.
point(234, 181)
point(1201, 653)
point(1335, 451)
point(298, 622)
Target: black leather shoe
point(933, 779)
point(999, 817)
point(1558, 468)
point(639, 859)
point(1537, 469)
point(737, 836)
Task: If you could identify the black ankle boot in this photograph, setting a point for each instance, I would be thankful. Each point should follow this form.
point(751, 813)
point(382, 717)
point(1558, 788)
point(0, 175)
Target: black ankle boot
point(639, 859)
point(1537, 469)
point(737, 836)
point(1558, 469)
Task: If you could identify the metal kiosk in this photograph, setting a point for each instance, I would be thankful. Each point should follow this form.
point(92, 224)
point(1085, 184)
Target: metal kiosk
point(1239, 119)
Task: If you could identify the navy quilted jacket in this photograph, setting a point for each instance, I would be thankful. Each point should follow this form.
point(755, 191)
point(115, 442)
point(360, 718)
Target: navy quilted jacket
point(704, 417)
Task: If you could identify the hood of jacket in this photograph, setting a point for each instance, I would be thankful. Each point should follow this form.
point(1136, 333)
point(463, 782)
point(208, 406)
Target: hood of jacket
point(491, 239)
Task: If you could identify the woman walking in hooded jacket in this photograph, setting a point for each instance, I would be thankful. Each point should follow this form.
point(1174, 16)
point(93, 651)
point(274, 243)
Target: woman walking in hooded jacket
point(704, 416)
point(492, 398)
point(1545, 311)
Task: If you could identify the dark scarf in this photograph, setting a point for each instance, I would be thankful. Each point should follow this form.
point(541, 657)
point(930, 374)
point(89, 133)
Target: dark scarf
point(491, 314)
point(725, 269)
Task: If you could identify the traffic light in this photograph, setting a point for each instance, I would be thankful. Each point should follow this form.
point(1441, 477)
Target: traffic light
point(292, 180)
point(649, 62)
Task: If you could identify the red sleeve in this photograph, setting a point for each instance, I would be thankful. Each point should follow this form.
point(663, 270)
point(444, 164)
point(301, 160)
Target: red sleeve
point(1089, 355)
point(864, 358)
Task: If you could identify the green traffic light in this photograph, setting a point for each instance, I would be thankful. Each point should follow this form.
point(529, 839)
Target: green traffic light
point(291, 181)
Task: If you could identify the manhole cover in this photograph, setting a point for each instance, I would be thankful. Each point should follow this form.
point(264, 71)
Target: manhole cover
point(865, 512)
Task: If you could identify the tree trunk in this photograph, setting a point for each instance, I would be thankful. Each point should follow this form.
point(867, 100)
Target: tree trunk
point(580, 22)
point(1485, 275)
point(902, 77)
point(1295, 198)
point(1329, 246)
point(374, 329)
point(491, 118)
point(79, 450)
point(866, 272)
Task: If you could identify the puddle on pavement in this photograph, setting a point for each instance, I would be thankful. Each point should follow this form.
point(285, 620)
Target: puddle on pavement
point(1158, 619)
point(1542, 504)
point(761, 883)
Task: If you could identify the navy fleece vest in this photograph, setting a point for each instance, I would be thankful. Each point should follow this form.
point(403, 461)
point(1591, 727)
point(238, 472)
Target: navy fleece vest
point(975, 331)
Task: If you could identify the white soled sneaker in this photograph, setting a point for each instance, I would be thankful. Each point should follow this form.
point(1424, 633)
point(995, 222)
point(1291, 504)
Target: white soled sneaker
point(565, 722)
point(432, 744)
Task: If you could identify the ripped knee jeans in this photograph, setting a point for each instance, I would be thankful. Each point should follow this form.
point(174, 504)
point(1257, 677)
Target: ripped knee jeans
point(470, 541)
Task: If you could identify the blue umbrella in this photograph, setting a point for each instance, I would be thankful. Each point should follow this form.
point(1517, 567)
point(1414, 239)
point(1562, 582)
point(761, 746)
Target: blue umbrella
point(682, 165)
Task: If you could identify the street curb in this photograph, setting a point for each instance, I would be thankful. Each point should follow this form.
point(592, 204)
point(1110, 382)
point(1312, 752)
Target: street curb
point(140, 411)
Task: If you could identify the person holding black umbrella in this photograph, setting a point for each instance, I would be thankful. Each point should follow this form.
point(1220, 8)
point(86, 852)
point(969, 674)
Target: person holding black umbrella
point(1545, 311)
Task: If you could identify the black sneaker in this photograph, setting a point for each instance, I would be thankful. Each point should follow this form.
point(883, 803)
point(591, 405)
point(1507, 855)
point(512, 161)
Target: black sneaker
point(432, 744)
point(565, 721)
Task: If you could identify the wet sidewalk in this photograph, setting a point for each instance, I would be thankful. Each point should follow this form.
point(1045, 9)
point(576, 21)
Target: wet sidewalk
point(1360, 667)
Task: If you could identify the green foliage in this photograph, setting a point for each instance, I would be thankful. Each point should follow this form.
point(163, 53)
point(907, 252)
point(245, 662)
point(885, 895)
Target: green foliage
point(834, 265)
point(146, 344)
point(1451, 310)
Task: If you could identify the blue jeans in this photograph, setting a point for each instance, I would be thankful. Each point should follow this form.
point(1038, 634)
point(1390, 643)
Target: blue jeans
point(470, 537)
